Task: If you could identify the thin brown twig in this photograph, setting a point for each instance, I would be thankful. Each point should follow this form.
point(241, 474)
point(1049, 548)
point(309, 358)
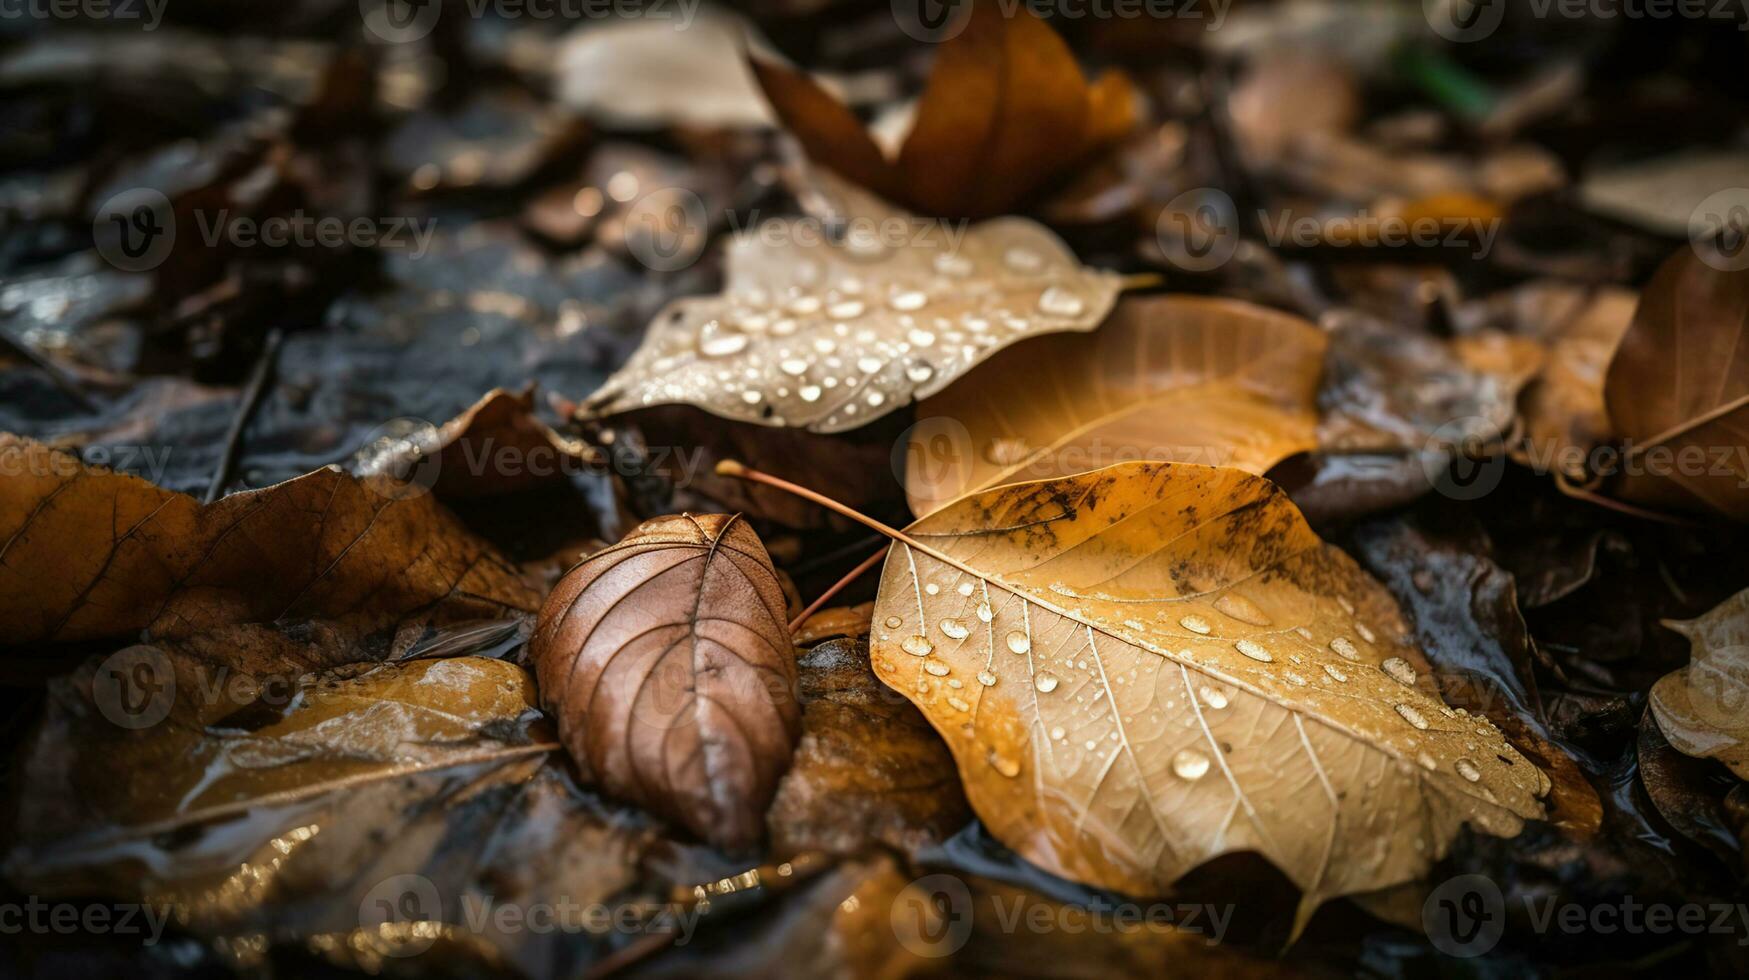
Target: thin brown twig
point(838, 586)
point(252, 394)
point(54, 372)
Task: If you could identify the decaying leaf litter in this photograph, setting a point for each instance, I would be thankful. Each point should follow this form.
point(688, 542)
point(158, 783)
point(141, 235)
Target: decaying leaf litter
point(1238, 563)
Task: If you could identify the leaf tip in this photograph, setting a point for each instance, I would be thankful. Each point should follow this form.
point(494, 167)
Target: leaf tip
point(731, 467)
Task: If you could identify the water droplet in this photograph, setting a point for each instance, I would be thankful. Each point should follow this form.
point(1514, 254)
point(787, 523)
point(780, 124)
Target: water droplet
point(1213, 697)
point(1335, 673)
point(1468, 770)
point(751, 397)
point(1241, 609)
point(920, 337)
point(932, 589)
point(809, 393)
point(909, 300)
point(804, 305)
point(1190, 764)
point(985, 613)
point(1196, 624)
point(1411, 716)
point(848, 309)
point(919, 372)
point(1058, 301)
point(1295, 679)
point(1347, 607)
point(1006, 766)
point(1046, 683)
point(1399, 670)
point(1365, 633)
point(1057, 731)
point(953, 264)
point(875, 398)
point(958, 705)
point(894, 622)
point(1018, 642)
point(986, 678)
point(1023, 259)
point(714, 341)
point(1254, 650)
point(917, 646)
point(937, 668)
point(1344, 648)
point(964, 588)
point(954, 628)
point(975, 323)
point(793, 366)
point(1427, 762)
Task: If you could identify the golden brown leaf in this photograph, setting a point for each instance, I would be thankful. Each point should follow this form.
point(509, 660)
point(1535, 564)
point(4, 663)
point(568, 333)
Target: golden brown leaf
point(667, 661)
point(829, 336)
point(89, 554)
point(1144, 667)
point(1678, 390)
point(1007, 110)
point(1170, 378)
point(1701, 707)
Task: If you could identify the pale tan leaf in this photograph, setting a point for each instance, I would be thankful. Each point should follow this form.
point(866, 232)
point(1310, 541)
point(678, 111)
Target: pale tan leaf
point(1172, 378)
point(1144, 667)
point(1701, 708)
point(829, 336)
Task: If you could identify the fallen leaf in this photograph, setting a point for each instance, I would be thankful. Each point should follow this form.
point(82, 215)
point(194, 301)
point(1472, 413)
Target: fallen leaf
point(1007, 110)
point(848, 622)
point(149, 741)
point(666, 659)
point(868, 770)
point(1145, 667)
point(497, 446)
point(829, 336)
point(1701, 706)
point(1690, 794)
point(365, 567)
point(1562, 407)
point(1288, 96)
point(1678, 386)
point(1171, 378)
point(1663, 194)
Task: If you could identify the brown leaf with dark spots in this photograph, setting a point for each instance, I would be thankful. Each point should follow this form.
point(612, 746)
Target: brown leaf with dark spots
point(869, 769)
point(1678, 388)
point(87, 554)
point(667, 661)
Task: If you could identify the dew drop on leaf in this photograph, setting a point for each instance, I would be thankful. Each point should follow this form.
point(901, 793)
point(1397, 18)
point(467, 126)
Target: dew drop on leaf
point(1190, 764)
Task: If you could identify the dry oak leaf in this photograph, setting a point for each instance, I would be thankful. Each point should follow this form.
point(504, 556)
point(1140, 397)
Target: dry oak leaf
point(666, 660)
point(1006, 111)
point(1171, 378)
point(1678, 386)
point(1144, 667)
point(86, 553)
point(1701, 706)
point(829, 336)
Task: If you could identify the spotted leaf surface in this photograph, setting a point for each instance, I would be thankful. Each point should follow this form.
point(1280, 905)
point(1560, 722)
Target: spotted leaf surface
point(1144, 667)
point(830, 335)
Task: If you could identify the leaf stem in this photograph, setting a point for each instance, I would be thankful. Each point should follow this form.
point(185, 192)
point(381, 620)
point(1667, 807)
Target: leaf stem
point(738, 470)
point(839, 586)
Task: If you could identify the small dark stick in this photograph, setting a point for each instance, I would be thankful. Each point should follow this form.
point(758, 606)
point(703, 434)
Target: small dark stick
point(54, 372)
point(252, 394)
